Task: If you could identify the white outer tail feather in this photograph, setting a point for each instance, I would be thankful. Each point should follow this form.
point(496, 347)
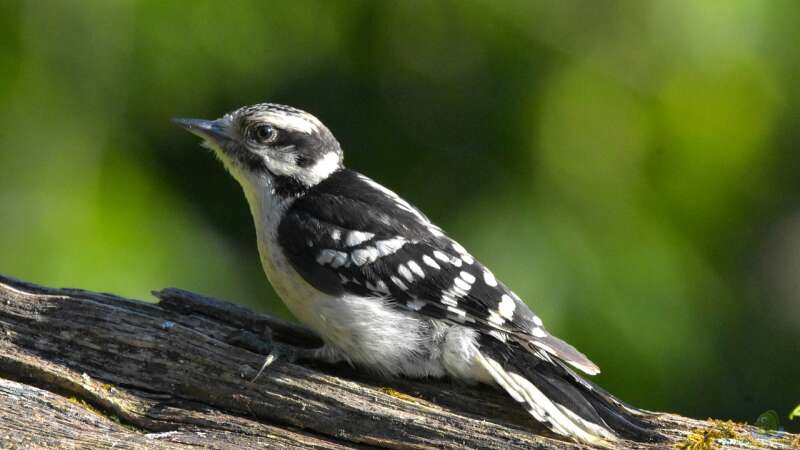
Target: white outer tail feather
point(557, 418)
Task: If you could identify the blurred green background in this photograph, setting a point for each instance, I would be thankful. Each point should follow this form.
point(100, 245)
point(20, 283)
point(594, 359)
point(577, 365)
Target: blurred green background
point(629, 168)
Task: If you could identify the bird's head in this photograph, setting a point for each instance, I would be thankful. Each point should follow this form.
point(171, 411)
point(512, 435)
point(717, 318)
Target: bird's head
point(268, 141)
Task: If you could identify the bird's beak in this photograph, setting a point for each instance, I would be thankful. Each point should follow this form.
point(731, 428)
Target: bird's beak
point(210, 130)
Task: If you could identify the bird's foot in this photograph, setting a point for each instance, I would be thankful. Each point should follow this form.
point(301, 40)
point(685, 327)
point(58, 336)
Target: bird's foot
point(265, 345)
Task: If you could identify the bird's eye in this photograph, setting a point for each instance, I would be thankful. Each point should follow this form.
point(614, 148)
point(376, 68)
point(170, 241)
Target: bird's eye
point(263, 133)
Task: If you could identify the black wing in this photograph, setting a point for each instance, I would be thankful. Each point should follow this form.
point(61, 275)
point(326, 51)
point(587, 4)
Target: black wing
point(350, 235)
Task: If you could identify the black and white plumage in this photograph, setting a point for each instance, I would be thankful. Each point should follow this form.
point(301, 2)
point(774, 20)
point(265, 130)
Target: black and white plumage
point(385, 288)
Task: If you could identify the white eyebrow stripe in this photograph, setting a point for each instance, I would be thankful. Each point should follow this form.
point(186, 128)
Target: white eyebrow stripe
point(302, 122)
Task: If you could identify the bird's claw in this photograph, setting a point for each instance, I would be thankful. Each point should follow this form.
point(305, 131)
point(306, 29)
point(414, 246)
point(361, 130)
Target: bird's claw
point(264, 344)
point(280, 352)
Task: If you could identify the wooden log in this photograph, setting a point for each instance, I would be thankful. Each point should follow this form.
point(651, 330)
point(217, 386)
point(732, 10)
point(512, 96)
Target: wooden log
point(82, 369)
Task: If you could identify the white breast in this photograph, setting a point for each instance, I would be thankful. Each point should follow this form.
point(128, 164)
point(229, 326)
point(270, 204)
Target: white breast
point(267, 209)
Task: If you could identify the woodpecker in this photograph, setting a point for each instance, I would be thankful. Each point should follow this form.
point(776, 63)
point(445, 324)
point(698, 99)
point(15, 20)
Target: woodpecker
point(389, 291)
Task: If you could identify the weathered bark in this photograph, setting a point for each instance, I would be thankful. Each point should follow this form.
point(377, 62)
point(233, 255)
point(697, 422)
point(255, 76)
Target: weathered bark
point(82, 369)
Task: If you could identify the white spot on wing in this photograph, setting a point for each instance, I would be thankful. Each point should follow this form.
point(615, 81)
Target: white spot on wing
point(448, 300)
point(458, 291)
point(416, 269)
point(430, 262)
point(466, 276)
point(461, 284)
point(506, 307)
point(538, 332)
point(364, 255)
point(495, 319)
point(382, 287)
point(537, 321)
point(336, 234)
point(467, 259)
point(397, 282)
point(389, 246)
point(356, 237)
point(339, 259)
point(489, 279)
point(443, 257)
point(404, 272)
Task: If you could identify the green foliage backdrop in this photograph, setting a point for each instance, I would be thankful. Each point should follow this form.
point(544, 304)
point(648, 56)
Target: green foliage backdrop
point(629, 168)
